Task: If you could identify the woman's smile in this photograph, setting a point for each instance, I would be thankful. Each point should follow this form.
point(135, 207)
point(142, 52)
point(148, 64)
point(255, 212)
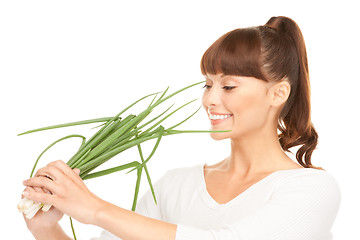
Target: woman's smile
point(216, 118)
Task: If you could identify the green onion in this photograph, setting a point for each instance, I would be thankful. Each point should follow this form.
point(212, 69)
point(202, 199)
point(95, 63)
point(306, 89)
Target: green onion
point(117, 134)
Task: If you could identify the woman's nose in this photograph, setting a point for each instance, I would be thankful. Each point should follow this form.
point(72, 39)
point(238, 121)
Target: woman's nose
point(211, 97)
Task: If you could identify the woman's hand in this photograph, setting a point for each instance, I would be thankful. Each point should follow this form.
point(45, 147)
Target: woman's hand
point(68, 193)
point(42, 221)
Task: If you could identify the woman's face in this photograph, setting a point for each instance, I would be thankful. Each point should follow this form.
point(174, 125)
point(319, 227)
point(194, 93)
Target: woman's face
point(239, 104)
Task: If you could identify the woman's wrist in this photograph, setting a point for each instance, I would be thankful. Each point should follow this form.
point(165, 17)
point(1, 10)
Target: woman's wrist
point(96, 217)
point(97, 209)
point(54, 232)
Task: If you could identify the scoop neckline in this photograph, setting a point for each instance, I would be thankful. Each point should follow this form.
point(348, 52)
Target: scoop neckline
point(211, 202)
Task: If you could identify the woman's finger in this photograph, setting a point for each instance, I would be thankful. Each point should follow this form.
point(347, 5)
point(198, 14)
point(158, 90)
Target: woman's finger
point(42, 182)
point(66, 170)
point(27, 189)
point(51, 172)
point(33, 189)
point(39, 197)
point(76, 171)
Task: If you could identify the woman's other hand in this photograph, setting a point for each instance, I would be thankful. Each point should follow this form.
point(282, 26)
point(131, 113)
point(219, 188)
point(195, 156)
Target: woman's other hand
point(42, 221)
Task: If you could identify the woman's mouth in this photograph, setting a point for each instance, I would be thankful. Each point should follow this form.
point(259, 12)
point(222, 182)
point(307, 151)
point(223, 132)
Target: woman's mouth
point(217, 118)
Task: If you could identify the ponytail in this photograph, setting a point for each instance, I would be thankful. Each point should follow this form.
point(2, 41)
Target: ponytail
point(286, 47)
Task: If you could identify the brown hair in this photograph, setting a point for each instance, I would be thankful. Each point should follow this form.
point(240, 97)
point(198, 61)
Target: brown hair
point(272, 52)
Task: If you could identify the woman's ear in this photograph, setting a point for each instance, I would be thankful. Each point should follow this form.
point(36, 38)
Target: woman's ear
point(280, 92)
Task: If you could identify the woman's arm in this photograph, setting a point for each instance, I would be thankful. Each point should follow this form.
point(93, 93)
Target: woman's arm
point(130, 225)
point(72, 197)
point(54, 233)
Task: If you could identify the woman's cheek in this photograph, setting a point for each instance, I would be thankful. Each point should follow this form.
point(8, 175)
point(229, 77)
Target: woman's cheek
point(248, 112)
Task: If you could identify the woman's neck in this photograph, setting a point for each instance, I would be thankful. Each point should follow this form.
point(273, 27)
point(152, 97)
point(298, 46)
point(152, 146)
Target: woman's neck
point(254, 154)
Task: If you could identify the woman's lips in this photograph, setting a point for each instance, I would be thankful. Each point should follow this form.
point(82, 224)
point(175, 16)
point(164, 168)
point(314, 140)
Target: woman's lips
point(217, 118)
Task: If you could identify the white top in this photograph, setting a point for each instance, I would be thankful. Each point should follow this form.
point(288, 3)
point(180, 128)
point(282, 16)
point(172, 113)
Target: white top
point(296, 204)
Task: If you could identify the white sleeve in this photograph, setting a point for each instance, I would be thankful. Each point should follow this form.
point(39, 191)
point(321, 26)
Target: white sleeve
point(302, 207)
point(146, 206)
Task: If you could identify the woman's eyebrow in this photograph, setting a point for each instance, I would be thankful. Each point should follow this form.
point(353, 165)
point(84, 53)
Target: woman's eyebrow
point(226, 78)
point(207, 78)
point(223, 77)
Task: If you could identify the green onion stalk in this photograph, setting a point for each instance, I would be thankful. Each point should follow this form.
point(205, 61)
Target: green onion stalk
point(117, 134)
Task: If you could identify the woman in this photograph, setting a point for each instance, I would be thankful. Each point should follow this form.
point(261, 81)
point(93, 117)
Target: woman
point(257, 86)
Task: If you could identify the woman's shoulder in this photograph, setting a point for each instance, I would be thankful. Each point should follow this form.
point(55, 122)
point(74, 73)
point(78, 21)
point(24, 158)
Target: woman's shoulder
point(307, 175)
point(168, 189)
point(308, 180)
point(183, 174)
point(175, 183)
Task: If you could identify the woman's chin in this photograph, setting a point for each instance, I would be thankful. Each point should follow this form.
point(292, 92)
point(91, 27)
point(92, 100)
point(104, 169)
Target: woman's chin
point(219, 135)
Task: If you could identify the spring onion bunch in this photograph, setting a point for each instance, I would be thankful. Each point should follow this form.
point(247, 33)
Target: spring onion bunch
point(116, 135)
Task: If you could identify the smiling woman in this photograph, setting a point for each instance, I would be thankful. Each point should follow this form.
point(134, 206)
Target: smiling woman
point(257, 86)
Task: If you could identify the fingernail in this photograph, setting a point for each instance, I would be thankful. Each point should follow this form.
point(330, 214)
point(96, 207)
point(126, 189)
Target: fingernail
point(25, 193)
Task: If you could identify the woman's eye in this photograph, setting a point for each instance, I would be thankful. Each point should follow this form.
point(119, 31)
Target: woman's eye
point(207, 86)
point(229, 87)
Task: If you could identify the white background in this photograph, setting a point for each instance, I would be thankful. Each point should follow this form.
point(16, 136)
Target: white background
point(63, 61)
